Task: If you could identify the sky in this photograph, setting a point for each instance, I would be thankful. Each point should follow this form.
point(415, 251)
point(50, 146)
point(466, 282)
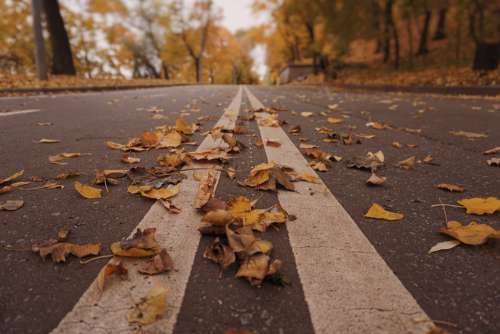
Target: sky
point(238, 15)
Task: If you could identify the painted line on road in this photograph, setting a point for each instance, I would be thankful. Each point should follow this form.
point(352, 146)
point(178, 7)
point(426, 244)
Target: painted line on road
point(106, 313)
point(18, 112)
point(347, 285)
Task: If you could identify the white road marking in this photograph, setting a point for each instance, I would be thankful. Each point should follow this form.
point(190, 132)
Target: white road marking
point(107, 313)
point(347, 285)
point(18, 112)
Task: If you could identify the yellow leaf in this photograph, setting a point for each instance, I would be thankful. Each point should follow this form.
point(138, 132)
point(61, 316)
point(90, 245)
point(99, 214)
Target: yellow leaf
point(468, 135)
point(334, 120)
point(182, 126)
point(239, 205)
point(306, 114)
point(48, 141)
point(114, 266)
point(472, 234)
point(87, 191)
point(150, 308)
point(171, 139)
point(481, 206)
point(12, 177)
point(376, 211)
point(205, 189)
point(162, 193)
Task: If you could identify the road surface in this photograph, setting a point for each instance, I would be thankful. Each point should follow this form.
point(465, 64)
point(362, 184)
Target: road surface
point(346, 273)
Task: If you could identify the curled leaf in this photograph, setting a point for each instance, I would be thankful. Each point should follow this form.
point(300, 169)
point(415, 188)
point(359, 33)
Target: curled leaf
point(114, 267)
point(219, 253)
point(450, 187)
point(87, 191)
point(160, 263)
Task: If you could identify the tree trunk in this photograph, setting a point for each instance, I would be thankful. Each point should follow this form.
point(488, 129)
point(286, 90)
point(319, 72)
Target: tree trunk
point(62, 58)
point(486, 56)
point(387, 27)
point(440, 32)
point(40, 60)
point(197, 65)
point(409, 32)
point(423, 45)
point(395, 36)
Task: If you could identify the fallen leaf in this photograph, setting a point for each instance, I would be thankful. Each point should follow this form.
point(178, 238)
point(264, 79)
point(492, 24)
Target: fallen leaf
point(397, 144)
point(169, 206)
point(183, 127)
point(205, 189)
point(376, 180)
point(160, 263)
point(273, 142)
point(318, 165)
point(126, 159)
point(493, 162)
point(11, 205)
point(13, 186)
point(58, 158)
point(162, 193)
point(334, 120)
point(450, 187)
point(48, 141)
point(295, 129)
point(372, 161)
point(67, 175)
point(472, 234)
point(60, 250)
point(407, 163)
point(376, 211)
point(87, 191)
point(209, 155)
point(114, 267)
point(376, 125)
point(270, 122)
point(174, 160)
point(231, 172)
point(219, 253)
point(12, 177)
point(444, 245)
point(170, 140)
point(306, 114)
point(142, 244)
point(468, 135)
point(494, 150)
point(62, 234)
point(151, 308)
point(481, 206)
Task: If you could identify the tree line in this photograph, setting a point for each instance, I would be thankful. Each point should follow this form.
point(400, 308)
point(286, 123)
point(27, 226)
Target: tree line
point(141, 39)
point(325, 32)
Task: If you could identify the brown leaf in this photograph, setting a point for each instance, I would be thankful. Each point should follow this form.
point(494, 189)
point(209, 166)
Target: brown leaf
point(318, 165)
point(12, 177)
point(450, 187)
point(220, 254)
point(169, 206)
point(13, 186)
point(114, 267)
point(407, 163)
point(295, 129)
point(62, 234)
point(67, 175)
point(273, 143)
point(493, 162)
point(209, 155)
point(494, 150)
point(126, 159)
point(376, 180)
point(60, 250)
point(397, 144)
point(468, 135)
point(142, 244)
point(183, 127)
point(11, 205)
point(160, 263)
point(58, 158)
point(205, 189)
point(48, 141)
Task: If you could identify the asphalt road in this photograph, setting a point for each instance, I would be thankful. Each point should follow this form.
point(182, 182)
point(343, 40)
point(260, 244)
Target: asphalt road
point(458, 289)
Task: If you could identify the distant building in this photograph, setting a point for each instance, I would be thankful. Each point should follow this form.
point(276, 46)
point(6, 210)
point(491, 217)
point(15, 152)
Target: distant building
point(295, 72)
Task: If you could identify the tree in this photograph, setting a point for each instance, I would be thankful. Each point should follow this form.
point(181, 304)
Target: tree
point(195, 34)
point(62, 58)
point(423, 47)
point(485, 36)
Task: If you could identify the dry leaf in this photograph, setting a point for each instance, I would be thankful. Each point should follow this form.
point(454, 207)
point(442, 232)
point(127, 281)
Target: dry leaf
point(295, 129)
point(151, 308)
point(126, 159)
point(12, 186)
point(11, 205)
point(219, 253)
point(48, 141)
point(397, 144)
point(376, 125)
point(318, 165)
point(114, 266)
point(376, 211)
point(59, 250)
point(160, 263)
point(494, 150)
point(450, 187)
point(170, 140)
point(183, 127)
point(493, 162)
point(66, 175)
point(334, 120)
point(472, 234)
point(428, 159)
point(372, 161)
point(209, 155)
point(254, 268)
point(12, 177)
point(162, 193)
point(444, 245)
point(218, 217)
point(306, 114)
point(407, 163)
point(142, 244)
point(468, 135)
point(62, 234)
point(376, 180)
point(205, 189)
point(169, 206)
point(87, 191)
point(56, 159)
point(273, 142)
point(481, 206)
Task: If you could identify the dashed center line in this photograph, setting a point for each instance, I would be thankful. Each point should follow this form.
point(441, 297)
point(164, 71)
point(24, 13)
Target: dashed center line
point(18, 112)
